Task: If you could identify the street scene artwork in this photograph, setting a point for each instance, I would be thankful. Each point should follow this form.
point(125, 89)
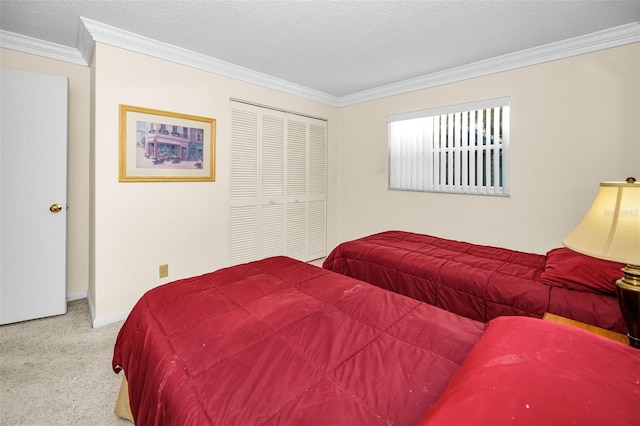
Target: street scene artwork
point(167, 146)
point(162, 146)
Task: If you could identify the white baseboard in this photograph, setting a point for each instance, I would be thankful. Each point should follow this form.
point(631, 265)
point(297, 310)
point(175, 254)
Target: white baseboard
point(92, 311)
point(97, 322)
point(101, 322)
point(77, 296)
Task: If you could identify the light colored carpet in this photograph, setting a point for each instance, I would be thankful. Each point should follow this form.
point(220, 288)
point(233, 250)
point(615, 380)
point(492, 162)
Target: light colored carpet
point(57, 371)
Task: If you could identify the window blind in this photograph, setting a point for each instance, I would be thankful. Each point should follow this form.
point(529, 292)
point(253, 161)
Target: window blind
point(460, 149)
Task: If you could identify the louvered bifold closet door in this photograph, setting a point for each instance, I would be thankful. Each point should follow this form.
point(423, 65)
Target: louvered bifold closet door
point(243, 215)
point(306, 187)
point(257, 209)
point(272, 213)
point(278, 178)
point(317, 189)
point(296, 188)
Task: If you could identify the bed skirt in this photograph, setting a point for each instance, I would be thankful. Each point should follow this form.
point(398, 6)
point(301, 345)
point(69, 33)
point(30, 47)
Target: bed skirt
point(122, 408)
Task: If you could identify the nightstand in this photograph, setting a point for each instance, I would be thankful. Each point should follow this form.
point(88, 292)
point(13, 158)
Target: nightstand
point(592, 328)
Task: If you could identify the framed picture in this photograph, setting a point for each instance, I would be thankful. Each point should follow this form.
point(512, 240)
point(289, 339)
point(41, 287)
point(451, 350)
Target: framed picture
point(161, 146)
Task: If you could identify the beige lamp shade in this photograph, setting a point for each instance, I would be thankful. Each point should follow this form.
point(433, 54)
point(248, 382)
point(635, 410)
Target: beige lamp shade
point(611, 228)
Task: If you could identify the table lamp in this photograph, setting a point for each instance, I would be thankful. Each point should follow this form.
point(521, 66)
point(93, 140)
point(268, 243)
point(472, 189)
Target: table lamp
point(611, 230)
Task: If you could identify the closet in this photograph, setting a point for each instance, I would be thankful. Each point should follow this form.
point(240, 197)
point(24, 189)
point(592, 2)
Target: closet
point(277, 184)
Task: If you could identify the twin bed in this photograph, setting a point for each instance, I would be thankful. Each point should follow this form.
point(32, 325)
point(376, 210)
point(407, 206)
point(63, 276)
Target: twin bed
point(483, 282)
point(279, 341)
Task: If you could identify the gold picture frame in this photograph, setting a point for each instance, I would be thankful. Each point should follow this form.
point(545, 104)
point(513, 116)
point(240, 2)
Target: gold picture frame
point(162, 146)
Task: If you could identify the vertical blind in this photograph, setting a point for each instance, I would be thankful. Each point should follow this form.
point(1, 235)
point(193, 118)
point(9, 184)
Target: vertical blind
point(460, 148)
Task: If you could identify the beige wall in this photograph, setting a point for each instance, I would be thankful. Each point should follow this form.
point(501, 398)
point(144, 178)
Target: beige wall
point(574, 123)
point(78, 160)
point(139, 226)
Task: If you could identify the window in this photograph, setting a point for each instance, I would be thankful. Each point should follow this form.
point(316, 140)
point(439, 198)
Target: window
point(460, 149)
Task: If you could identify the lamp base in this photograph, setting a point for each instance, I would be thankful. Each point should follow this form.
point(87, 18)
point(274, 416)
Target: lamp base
point(628, 291)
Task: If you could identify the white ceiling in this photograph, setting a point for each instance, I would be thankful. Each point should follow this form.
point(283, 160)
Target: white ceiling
point(335, 47)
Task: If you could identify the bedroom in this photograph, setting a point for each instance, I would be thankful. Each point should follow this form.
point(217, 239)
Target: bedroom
point(566, 107)
point(558, 157)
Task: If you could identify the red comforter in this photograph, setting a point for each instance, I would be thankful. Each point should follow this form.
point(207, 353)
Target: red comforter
point(478, 282)
point(524, 371)
point(282, 342)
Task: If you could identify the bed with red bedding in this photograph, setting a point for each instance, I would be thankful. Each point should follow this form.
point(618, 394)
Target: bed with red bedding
point(279, 341)
point(483, 282)
point(283, 342)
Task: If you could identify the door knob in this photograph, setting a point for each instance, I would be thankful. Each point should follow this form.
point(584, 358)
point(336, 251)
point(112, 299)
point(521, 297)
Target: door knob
point(55, 208)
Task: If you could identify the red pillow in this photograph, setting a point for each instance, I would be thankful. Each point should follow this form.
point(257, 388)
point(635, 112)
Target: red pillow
point(569, 269)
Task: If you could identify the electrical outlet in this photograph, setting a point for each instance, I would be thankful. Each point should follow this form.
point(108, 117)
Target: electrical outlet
point(164, 271)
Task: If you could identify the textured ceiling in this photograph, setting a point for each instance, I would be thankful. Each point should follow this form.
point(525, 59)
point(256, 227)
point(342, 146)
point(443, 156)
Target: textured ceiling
point(336, 47)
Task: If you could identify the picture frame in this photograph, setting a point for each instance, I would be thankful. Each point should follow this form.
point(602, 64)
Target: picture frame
point(163, 146)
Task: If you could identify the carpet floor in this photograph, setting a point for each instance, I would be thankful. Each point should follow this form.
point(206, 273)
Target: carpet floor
point(57, 371)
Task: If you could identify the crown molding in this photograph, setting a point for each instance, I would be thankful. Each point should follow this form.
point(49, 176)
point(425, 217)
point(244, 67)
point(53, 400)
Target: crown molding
point(21, 43)
point(91, 32)
point(86, 45)
point(102, 33)
point(600, 40)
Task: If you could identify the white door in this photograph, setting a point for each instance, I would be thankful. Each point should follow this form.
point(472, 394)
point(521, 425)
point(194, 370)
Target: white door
point(33, 195)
